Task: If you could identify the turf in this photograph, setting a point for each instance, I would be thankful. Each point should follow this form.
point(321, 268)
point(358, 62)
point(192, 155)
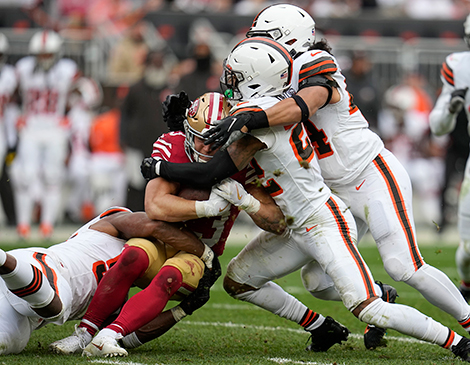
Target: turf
point(227, 331)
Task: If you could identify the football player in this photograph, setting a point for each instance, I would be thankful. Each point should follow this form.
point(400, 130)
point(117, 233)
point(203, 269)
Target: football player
point(454, 97)
point(211, 220)
point(44, 81)
point(322, 229)
point(56, 284)
point(353, 160)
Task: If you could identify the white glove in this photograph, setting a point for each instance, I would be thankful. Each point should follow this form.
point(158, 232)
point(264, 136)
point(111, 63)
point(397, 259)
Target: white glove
point(207, 256)
point(215, 206)
point(235, 193)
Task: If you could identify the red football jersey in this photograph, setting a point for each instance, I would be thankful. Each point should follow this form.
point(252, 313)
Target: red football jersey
point(212, 231)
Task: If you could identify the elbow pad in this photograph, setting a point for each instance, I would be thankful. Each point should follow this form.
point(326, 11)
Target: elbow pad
point(319, 80)
point(199, 174)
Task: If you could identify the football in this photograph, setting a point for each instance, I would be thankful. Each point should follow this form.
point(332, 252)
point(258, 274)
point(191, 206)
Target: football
point(189, 193)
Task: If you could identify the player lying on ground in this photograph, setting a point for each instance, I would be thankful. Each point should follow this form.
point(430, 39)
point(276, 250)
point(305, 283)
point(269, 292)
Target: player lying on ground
point(53, 285)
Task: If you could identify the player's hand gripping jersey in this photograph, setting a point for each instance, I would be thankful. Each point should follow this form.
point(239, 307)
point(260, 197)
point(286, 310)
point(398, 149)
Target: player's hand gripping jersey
point(339, 132)
point(212, 231)
point(288, 167)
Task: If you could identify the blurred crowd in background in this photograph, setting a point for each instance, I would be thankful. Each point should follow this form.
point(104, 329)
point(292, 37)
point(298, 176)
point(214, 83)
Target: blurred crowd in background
point(128, 61)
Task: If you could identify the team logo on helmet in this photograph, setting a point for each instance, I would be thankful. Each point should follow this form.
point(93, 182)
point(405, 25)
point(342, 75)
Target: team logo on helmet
point(192, 111)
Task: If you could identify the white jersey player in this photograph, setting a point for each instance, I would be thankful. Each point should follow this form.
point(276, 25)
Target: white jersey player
point(353, 161)
point(455, 76)
point(322, 233)
point(69, 271)
point(8, 84)
point(44, 83)
point(56, 284)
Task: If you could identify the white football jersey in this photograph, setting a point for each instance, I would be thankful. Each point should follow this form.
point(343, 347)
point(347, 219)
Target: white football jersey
point(455, 74)
point(339, 132)
point(288, 168)
point(85, 257)
point(45, 93)
point(7, 86)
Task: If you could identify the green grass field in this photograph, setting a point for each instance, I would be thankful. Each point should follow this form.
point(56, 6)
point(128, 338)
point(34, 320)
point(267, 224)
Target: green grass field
point(227, 331)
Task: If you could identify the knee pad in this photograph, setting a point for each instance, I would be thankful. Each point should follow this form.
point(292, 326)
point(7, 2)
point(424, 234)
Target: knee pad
point(191, 268)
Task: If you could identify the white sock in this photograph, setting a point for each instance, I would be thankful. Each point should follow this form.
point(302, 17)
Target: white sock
point(406, 320)
point(440, 291)
point(29, 283)
point(274, 299)
point(108, 333)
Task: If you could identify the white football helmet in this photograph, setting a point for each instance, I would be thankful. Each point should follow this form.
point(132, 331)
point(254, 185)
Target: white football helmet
point(200, 116)
point(287, 24)
point(256, 67)
point(45, 45)
point(4, 45)
point(466, 28)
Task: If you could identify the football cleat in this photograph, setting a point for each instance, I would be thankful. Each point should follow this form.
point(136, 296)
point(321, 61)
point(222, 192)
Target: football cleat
point(73, 344)
point(104, 346)
point(462, 349)
point(465, 291)
point(328, 334)
point(374, 336)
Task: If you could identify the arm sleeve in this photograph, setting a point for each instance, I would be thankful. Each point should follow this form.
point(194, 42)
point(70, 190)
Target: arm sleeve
point(200, 175)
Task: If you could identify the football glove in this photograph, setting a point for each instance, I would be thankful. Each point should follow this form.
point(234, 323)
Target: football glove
point(228, 130)
point(150, 168)
point(201, 295)
point(215, 206)
point(174, 110)
point(457, 100)
point(235, 193)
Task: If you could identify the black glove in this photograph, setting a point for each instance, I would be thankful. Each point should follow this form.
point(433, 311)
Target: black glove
point(174, 110)
point(228, 130)
point(457, 100)
point(148, 168)
point(201, 295)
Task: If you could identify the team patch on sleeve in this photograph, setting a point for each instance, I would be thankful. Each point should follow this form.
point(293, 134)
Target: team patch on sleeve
point(447, 73)
point(321, 65)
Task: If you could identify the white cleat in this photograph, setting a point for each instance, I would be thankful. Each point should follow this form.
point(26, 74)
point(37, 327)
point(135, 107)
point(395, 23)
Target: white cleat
point(73, 344)
point(104, 346)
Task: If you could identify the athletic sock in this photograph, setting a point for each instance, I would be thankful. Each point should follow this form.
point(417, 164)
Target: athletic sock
point(148, 303)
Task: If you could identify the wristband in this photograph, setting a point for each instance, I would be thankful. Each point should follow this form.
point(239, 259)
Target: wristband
point(178, 313)
point(252, 206)
point(200, 209)
point(259, 120)
point(207, 256)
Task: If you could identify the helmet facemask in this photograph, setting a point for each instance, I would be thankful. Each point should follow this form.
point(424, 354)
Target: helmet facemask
point(256, 67)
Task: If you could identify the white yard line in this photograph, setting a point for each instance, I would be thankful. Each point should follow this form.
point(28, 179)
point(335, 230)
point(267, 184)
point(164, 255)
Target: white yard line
point(296, 330)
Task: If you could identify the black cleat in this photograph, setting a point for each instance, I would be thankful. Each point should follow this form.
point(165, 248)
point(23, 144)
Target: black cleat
point(462, 349)
point(374, 336)
point(325, 336)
